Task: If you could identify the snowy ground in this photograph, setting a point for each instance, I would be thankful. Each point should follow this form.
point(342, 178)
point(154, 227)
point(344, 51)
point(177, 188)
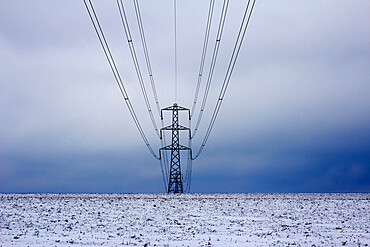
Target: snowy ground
point(184, 220)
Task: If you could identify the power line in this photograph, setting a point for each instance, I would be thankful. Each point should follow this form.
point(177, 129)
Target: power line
point(189, 164)
point(213, 63)
point(164, 161)
point(126, 28)
point(103, 42)
point(238, 43)
point(146, 54)
point(164, 173)
point(175, 24)
point(204, 51)
point(234, 56)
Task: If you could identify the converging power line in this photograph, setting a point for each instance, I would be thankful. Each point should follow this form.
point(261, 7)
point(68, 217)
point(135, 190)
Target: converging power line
point(170, 155)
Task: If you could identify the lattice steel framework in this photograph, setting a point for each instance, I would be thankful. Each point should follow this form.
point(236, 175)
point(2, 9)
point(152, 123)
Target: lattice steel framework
point(175, 176)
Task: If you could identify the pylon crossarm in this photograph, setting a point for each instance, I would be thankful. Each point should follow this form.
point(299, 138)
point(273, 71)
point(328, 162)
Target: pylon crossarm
point(179, 127)
point(179, 147)
point(175, 107)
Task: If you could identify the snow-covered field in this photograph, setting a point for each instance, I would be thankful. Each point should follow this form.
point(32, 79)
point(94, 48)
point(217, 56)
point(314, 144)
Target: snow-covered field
point(184, 220)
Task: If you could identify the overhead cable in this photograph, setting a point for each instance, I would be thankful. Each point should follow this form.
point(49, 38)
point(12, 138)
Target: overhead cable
point(130, 42)
point(233, 59)
point(213, 63)
point(146, 54)
point(189, 167)
point(103, 42)
point(204, 51)
point(164, 174)
point(187, 179)
point(175, 24)
point(164, 157)
point(164, 162)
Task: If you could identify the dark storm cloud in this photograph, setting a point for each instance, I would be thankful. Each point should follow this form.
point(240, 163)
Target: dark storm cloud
point(295, 118)
point(334, 162)
point(79, 172)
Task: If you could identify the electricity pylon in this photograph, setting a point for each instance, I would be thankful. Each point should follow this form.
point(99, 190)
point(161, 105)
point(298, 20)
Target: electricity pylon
point(175, 176)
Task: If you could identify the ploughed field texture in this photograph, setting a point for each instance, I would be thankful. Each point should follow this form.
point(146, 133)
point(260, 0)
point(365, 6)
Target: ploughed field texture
point(184, 220)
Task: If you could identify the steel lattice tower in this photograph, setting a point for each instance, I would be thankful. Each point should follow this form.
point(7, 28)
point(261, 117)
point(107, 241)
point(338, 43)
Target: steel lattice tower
point(175, 176)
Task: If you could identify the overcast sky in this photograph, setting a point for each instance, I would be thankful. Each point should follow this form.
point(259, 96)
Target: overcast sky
point(296, 116)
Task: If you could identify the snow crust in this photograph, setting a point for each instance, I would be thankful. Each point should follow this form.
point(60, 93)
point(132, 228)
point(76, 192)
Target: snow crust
point(184, 220)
